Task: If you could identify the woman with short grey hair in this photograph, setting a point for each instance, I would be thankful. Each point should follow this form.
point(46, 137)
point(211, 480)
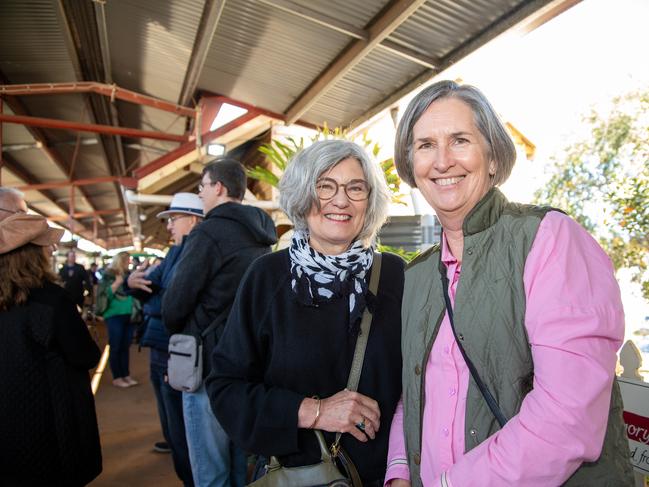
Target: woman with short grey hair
point(500, 147)
point(282, 364)
point(298, 184)
point(510, 325)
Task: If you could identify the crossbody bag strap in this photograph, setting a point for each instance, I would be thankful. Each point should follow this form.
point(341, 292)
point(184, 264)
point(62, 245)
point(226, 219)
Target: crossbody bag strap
point(216, 322)
point(486, 393)
point(363, 335)
point(352, 383)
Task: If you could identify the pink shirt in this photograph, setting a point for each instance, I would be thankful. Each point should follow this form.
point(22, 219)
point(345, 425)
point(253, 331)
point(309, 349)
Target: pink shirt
point(575, 323)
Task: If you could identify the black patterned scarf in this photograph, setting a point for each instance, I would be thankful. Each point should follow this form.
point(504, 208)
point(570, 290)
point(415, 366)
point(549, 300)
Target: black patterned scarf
point(317, 278)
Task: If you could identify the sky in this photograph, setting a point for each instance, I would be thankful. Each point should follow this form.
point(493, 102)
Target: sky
point(545, 81)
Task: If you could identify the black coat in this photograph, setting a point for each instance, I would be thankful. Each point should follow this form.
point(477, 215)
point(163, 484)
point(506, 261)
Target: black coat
point(48, 425)
point(215, 257)
point(75, 279)
point(274, 352)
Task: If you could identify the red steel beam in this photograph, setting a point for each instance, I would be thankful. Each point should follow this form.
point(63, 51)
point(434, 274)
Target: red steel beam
point(90, 127)
point(85, 214)
point(130, 183)
point(162, 161)
point(112, 91)
point(209, 109)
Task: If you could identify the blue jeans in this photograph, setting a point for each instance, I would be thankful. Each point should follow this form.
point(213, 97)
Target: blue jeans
point(170, 410)
point(120, 335)
point(215, 461)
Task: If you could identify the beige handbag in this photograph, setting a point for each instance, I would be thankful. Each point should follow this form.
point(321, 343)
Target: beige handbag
point(325, 473)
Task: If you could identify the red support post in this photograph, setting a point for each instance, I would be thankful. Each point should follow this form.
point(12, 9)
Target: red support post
point(71, 207)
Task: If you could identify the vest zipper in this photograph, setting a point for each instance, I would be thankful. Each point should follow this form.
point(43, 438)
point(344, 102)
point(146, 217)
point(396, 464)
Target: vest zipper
point(422, 387)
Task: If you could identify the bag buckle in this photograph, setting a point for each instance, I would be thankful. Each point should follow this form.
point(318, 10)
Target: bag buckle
point(335, 448)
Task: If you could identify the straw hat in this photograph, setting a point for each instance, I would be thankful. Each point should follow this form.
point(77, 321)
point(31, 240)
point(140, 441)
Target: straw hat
point(188, 203)
point(20, 229)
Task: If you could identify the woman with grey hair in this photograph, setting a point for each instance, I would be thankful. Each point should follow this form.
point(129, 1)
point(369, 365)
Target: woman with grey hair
point(282, 364)
point(511, 325)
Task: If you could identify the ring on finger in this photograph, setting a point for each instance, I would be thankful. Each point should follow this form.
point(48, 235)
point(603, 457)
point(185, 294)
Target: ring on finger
point(361, 425)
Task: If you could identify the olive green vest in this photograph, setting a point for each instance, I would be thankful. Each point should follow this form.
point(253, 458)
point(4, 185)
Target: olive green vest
point(489, 316)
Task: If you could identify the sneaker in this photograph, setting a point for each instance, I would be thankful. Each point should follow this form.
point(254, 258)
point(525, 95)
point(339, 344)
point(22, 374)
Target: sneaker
point(131, 381)
point(120, 382)
point(161, 447)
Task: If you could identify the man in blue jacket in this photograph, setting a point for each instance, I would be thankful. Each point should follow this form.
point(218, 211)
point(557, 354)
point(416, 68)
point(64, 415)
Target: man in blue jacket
point(185, 212)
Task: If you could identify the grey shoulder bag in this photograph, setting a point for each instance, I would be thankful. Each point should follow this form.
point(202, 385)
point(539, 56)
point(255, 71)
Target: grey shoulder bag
point(326, 473)
point(185, 364)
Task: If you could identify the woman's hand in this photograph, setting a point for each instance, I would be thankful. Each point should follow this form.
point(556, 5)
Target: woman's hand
point(137, 280)
point(341, 413)
point(399, 483)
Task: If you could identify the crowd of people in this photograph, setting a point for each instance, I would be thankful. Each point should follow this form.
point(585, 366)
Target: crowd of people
point(489, 358)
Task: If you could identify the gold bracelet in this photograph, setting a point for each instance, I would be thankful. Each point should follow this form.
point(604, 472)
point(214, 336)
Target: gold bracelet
point(317, 412)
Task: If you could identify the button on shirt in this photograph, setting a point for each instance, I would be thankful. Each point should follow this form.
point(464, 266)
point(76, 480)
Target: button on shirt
point(575, 324)
point(444, 377)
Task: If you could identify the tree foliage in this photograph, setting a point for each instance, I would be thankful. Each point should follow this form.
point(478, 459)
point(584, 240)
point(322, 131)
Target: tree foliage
point(603, 182)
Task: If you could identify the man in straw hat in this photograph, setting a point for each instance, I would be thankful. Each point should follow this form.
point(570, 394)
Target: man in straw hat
point(184, 213)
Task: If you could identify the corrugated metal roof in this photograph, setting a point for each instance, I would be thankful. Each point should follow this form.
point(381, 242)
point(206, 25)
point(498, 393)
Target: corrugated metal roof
point(265, 56)
point(367, 84)
point(260, 55)
point(32, 45)
point(150, 45)
point(357, 14)
point(440, 26)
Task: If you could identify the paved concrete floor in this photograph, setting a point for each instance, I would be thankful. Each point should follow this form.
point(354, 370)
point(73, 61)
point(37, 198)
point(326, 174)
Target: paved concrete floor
point(129, 426)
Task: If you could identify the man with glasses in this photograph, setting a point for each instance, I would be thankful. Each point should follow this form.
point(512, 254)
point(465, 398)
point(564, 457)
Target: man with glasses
point(184, 213)
point(216, 256)
point(11, 201)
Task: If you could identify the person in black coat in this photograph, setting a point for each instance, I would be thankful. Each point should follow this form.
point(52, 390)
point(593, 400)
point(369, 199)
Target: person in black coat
point(215, 256)
point(281, 366)
point(48, 430)
point(75, 278)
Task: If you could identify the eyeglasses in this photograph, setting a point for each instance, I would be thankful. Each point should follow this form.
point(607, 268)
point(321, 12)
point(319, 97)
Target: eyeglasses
point(13, 212)
point(356, 189)
point(172, 219)
point(202, 186)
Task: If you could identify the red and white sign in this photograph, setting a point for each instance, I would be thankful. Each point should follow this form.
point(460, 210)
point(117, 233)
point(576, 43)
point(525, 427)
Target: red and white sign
point(635, 395)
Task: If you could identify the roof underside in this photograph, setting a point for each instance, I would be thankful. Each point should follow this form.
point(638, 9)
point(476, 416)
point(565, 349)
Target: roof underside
point(337, 62)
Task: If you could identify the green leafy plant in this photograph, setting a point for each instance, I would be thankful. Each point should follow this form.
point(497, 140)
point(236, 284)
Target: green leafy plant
point(404, 254)
point(603, 182)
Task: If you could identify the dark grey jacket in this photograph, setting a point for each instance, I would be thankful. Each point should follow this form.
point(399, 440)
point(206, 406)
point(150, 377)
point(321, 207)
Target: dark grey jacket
point(215, 256)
